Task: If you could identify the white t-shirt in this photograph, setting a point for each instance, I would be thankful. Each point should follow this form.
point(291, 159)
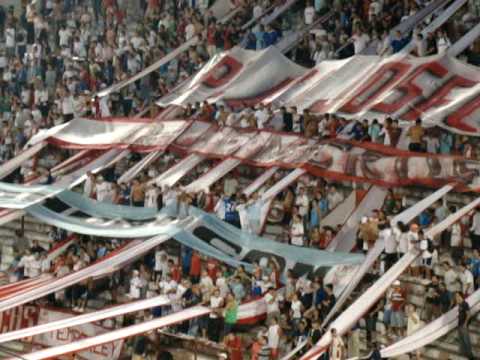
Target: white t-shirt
point(215, 303)
point(403, 243)
point(10, 37)
point(309, 15)
point(161, 265)
point(136, 284)
point(222, 285)
point(466, 278)
point(303, 204)
point(451, 281)
point(390, 240)
point(151, 197)
point(297, 233)
point(206, 284)
point(189, 31)
point(272, 306)
point(68, 105)
point(257, 11)
point(296, 307)
point(273, 336)
point(230, 186)
point(104, 191)
point(360, 42)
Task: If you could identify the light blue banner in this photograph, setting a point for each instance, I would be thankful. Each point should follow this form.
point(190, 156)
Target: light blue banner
point(296, 254)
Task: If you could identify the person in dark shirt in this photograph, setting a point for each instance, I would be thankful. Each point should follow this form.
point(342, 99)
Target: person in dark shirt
point(444, 298)
point(287, 119)
point(314, 334)
point(432, 301)
point(462, 330)
point(375, 354)
point(329, 301)
point(399, 42)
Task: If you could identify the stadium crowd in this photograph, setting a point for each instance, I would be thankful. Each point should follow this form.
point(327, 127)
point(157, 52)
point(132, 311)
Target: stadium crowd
point(58, 54)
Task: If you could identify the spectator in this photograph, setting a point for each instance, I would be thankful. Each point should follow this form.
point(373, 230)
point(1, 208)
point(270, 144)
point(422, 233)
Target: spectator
point(462, 330)
point(337, 347)
point(415, 134)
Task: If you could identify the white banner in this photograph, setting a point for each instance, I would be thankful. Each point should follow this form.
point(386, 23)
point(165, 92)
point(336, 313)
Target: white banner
point(345, 238)
point(204, 182)
point(69, 320)
point(102, 342)
point(67, 335)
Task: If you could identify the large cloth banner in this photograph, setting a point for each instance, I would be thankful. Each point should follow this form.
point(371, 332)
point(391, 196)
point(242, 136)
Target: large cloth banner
point(440, 89)
point(345, 238)
point(360, 306)
point(102, 340)
point(432, 331)
point(212, 228)
point(338, 159)
point(69, 320)
point(67, 335)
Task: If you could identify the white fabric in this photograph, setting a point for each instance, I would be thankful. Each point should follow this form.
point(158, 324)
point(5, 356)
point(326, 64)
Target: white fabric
point(84, 319)
point(122, 333)
point(345, 238)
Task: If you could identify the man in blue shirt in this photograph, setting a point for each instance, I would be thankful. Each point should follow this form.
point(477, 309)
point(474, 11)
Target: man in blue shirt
point(399, 42)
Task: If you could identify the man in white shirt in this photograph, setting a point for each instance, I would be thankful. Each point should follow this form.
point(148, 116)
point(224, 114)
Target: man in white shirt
point(103, 190)
point(261, 115)
point(68, 106)
point(230, 185)
point(451, 279)
point(334, 198)
point(214, 320)
point(273, 309)
point(309, 14)
point(466, 278)
point(206, 283)
point(151, 197)
point(10, 41)
point(302, 202)
point(360, 41)
point(137, 283)
point(391, 246)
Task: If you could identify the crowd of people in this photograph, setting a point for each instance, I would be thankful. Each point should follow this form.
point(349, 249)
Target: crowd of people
point(58, 54)
point(296, 312)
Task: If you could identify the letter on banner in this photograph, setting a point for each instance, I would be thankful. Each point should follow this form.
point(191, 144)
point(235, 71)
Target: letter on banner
point(222, 72)
point(375, 86)
point(458, 119)
point(410, 89)
point(439, 97)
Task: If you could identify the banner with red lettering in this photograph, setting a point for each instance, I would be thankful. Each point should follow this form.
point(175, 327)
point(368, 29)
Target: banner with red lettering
point(64, 336)
point(337, 159)
point(441, 90)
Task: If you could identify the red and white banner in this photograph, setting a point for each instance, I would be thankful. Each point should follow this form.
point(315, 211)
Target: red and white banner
point(338, 159)
point(441, 90)
point(67, 335)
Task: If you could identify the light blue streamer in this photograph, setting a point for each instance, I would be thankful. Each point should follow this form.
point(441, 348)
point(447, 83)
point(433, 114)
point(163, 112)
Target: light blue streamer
point(80, 226)
point(190, 240)
point(106, 210)
point(297, 254)
point(84, 204)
